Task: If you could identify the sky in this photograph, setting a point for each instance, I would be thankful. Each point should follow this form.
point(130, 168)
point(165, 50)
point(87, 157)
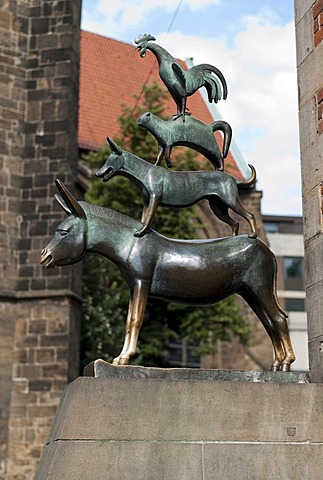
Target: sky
point(253, 43)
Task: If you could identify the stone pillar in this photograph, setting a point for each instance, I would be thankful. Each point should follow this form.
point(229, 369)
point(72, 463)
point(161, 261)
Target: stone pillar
point(309, 36)
point(39, 310)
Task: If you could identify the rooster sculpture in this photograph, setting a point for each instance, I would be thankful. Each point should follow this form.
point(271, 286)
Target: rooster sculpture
point(183, 83)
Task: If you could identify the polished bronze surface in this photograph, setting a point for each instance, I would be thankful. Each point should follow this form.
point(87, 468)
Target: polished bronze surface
point(183, 83)
point(160, 186)
point(192, 133)
point(193, 272)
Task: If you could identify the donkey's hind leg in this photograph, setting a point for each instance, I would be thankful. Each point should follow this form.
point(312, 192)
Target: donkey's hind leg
point(221, 211)
point(260, 311)
point(281, 324)
point(264, 303)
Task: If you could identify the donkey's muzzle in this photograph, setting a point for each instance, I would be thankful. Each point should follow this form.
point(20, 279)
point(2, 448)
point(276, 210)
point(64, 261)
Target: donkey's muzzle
point(46, 259)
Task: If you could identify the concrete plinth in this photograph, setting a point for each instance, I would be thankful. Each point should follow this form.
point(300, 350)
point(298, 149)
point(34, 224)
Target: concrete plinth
point(119, 428)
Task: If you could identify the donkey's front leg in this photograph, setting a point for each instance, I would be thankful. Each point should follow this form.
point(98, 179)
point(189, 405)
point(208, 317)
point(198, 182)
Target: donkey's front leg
point(135, 317)
point(116, 361)
point(148, 214)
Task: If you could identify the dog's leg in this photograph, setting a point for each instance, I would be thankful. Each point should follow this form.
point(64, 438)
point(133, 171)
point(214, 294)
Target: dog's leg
point(148, 214)
point(221, 211)
point(238, 208)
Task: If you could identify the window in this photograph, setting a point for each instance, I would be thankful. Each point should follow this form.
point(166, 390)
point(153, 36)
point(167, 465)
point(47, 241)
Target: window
point(183, 354)
point(271, 227)
point(295, 304)
point(294, 273)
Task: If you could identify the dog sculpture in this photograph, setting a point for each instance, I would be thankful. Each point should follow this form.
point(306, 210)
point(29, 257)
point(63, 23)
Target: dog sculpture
point(192, 133)
point(159, 186)
point(193, 272)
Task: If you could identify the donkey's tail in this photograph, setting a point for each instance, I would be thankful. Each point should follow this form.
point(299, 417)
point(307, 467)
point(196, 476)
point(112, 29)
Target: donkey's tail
point(225, 128)
point(249, 183)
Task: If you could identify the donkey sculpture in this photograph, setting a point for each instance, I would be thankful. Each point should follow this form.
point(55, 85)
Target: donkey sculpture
point(159, 186)
point(197, 272)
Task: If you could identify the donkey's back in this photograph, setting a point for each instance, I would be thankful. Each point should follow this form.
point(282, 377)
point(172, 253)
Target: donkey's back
point(205, 272)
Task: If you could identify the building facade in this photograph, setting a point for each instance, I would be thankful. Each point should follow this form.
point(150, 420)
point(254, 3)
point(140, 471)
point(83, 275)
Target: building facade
point(285, 238)
point(309, 46)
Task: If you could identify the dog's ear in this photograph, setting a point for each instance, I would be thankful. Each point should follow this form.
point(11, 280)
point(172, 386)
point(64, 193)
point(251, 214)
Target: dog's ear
point(114, 147)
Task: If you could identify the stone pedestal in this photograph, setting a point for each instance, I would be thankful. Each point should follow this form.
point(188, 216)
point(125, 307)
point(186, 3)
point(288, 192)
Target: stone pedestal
point(148, 424)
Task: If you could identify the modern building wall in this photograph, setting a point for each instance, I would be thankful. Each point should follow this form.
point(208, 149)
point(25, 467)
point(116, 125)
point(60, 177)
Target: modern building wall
point(39, 310)
point(285, 238)
point(309, 36)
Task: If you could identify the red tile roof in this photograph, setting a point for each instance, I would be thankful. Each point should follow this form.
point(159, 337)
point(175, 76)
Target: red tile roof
point(111, 73)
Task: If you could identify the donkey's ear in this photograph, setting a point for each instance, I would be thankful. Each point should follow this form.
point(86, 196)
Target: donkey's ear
point(63, 204)
point(71, 204)
point(114, 147)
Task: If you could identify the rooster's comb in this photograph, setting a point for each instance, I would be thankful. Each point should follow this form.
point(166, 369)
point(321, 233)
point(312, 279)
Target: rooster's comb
point(145, 37)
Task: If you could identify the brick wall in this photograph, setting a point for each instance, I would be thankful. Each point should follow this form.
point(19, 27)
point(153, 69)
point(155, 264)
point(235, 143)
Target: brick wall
point(309, 47)
point(317, 12)
point(319, 101)
point(40, 310)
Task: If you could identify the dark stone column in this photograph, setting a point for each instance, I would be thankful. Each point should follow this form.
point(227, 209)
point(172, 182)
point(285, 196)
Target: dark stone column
point(39, 310)
point(309, 36)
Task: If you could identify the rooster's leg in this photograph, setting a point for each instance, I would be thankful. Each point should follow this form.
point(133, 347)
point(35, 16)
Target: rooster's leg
point(181, 110)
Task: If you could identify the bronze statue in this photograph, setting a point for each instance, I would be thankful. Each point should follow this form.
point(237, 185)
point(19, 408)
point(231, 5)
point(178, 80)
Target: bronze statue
point(159, 186)
point(183, 83)
point(192, 272)
point(192, 133)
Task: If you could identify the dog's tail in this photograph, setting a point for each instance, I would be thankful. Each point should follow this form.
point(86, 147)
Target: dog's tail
point(249, 183)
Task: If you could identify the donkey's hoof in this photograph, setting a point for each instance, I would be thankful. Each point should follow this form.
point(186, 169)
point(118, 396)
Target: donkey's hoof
point(123, 361)
point(275, 368)
point(285, 367)
point(252, 235)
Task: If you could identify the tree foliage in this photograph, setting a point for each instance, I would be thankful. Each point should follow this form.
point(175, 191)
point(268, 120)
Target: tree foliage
point(106, 294)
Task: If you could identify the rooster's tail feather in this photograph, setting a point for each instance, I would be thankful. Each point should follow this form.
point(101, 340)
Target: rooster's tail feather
point(210, 69)
point(213, 88)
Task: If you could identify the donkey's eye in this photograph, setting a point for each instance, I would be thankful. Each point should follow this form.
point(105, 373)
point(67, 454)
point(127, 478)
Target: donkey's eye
point(63, 233)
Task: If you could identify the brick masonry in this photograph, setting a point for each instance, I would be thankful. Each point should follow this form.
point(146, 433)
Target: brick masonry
point(309, 46)
point(39, 310)
point(317, 11)
point(319, 99)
